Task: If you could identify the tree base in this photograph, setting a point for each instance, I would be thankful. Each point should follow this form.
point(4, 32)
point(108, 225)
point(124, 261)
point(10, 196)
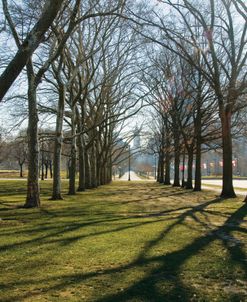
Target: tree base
point(189, 187)
point(228, 195)
point(59, 197)
point(28, 205)
point(71, 193)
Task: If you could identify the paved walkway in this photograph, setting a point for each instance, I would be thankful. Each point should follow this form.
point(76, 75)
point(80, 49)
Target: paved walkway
point(218, 190)
point(133, 176)
point(237, 183)
point(242, 183)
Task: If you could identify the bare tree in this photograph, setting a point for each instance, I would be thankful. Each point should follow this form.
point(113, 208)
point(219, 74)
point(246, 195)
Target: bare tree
point(27, 47)
point(219, 38)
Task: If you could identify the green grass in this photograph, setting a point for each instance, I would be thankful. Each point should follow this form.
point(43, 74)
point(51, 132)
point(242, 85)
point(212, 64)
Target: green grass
point(16, 174)
point(127, 241)
point(11, 173)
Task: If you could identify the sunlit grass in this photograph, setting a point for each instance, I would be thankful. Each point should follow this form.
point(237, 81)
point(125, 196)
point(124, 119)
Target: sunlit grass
point(16, 174)
point(127, 241)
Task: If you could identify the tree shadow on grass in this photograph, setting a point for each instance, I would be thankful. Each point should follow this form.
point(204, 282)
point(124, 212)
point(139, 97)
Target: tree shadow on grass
point(68, 227)
point(170, 264)
point(167, 268)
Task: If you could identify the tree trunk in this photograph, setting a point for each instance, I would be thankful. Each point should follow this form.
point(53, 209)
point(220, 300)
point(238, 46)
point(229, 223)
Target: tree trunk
point(72, 174)
point(109, 167)
point(227, 189)
point(29, 45)
point(33, 191)
point(167, 180)
point(56, 192)
point(50, 167)
point(183, 171)
point(72, 171)
point(46, 170)
point(67, 168)
point(158, 170)
point(93, 163)
point(102, 173)
point(99, 164)
point(88, 177)
point(167, 169)
point(176, 182)
point(198, 173)
point(162, 168)
point(82, 184)
point(42, 166)
point(189, 184)
point(21, 169)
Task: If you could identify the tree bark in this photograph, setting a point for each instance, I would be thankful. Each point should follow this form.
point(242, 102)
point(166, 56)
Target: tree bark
point(21, 169)
point(93, 163)
point(176, 182)
point(46, 170)
point(29, 45)
point(183, 171)
point(189, 184)
point(72, 171)
point(33, 191)
point(158, 170)
point(50, 167)
point(198, 173)
point(42, 165)
point(82, 183)
point(56, 190)
point(167, 180)
point(227, 189)
point(161, 163)
point(72, 174)
point(109, 167)
point(88, 177)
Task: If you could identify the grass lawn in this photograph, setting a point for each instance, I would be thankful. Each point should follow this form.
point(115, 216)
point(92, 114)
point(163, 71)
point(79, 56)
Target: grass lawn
point(16, 174)
point(128, 241)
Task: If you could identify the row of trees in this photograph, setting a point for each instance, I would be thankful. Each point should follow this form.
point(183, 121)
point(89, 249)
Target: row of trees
point(198, 81)
point(91, 64)
point(83, 76)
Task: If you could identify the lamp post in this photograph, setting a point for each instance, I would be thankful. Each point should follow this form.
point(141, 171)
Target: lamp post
point(129, 164)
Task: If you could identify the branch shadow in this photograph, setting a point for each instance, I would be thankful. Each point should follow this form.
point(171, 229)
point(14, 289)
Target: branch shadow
point(168, 266)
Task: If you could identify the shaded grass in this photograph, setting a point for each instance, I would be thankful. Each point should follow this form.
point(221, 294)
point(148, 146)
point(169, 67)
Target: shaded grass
point(129, 241)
